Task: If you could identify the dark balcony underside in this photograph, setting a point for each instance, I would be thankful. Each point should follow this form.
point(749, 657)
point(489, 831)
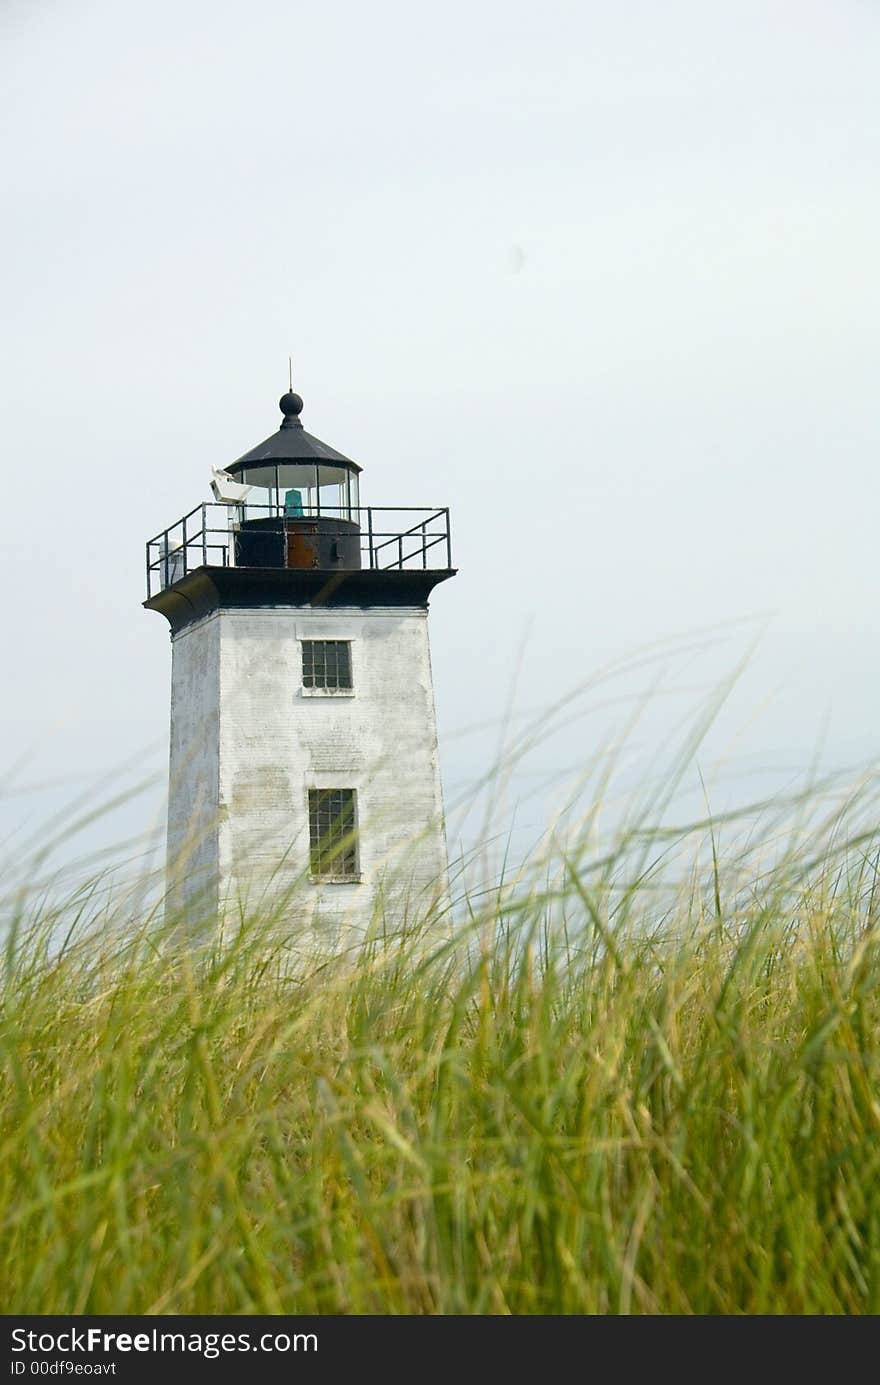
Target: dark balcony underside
point(208, 589)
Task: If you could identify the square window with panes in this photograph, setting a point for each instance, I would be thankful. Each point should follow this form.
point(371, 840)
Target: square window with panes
point(326, 664)
point(332, 833)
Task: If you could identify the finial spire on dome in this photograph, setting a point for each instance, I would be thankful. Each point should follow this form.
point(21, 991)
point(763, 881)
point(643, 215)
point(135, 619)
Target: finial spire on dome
point(290, 404)
point(291, 443)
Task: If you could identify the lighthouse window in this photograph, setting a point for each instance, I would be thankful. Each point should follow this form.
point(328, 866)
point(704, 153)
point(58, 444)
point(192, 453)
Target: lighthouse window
point(326, 664)
point(332, 841)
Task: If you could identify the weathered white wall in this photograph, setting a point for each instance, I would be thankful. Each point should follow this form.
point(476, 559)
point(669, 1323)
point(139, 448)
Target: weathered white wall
point(263, 741)
point(194, 777)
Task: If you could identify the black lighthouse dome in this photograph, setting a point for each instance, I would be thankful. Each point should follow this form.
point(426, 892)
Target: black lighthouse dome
point(291, 444)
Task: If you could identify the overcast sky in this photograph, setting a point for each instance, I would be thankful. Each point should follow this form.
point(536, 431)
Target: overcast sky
point(602, 277)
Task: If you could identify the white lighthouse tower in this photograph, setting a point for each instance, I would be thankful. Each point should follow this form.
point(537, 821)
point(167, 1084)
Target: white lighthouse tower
point(303, 761)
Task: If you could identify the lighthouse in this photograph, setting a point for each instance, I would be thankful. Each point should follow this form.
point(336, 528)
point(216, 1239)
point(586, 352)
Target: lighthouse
point(303, 759)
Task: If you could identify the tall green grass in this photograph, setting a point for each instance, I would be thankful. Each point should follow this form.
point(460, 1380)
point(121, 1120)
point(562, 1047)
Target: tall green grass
point(634, 1081)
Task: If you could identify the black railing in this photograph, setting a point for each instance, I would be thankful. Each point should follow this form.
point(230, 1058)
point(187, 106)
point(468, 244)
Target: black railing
point(214, 535)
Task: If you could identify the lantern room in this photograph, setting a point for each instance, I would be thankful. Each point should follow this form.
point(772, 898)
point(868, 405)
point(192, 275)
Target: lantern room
point(300, 502)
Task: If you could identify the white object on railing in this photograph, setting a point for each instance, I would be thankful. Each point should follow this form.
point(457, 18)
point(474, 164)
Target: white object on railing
point(227, 491)
point(172, 563)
